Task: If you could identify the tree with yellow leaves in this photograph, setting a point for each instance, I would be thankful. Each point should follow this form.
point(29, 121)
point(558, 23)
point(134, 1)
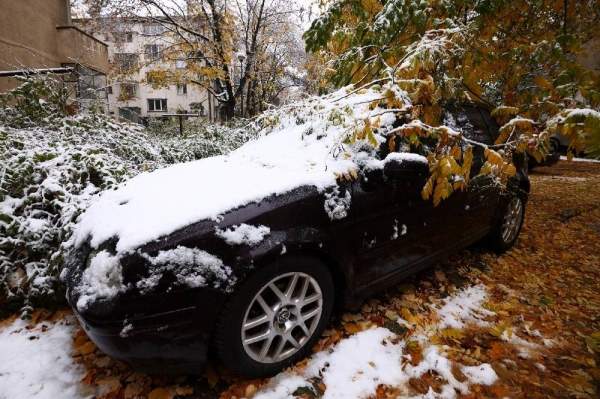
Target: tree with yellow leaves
point(521, 56)
point(241, 51)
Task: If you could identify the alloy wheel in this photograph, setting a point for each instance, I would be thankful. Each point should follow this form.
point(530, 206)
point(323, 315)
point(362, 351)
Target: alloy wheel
point(512, 220)
point(282, 317)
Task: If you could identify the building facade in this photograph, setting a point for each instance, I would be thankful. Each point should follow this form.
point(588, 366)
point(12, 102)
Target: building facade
point(136, 88)
point(37, 36)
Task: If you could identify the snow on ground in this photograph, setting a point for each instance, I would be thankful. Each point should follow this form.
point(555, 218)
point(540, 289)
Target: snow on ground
point(464, 308)
point(564, 158)
point(357, 365)
point(37, 363)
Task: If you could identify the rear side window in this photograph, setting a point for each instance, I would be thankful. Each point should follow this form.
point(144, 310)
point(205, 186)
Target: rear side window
point(475, 122)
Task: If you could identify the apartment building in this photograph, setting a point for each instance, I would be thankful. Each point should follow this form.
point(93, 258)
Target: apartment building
point(37, 36)
point(135, 47)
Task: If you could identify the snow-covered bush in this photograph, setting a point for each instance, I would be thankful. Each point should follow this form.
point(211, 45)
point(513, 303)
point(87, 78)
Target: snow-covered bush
point(52, 165)
point(38, 99)
point(201, 138)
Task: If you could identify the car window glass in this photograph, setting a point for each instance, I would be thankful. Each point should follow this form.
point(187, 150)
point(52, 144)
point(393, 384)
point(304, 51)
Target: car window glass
point(471, 121)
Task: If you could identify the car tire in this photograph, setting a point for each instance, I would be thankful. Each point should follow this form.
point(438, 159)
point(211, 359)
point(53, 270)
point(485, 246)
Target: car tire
point(506, 230)
point(261, 331)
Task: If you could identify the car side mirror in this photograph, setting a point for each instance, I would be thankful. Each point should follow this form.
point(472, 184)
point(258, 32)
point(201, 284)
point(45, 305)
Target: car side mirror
point(406, 167)
point(371, 178)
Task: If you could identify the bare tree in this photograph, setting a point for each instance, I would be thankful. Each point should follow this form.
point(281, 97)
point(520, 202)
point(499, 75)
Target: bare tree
point(227, 44)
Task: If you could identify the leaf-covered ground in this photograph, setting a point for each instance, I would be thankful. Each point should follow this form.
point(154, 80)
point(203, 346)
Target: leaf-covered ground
point(542, 337)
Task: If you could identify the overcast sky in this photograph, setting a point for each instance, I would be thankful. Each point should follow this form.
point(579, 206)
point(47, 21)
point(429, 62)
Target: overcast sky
point(311, 10)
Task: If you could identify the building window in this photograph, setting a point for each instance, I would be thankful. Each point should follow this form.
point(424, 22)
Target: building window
point(122, 26)
point(131, 113)
point(180, 64)
point(126, 61)
point(153, 29)
point(127, 91)
point(122, 37)
point(152, 51)
point(182, 89)
point(90, 84)
point(157, 104)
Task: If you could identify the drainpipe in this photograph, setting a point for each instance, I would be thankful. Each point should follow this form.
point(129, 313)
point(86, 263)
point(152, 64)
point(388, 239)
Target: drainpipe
point(68, 12)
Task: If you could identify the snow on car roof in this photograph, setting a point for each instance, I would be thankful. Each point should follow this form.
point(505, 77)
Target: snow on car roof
point(301, 146)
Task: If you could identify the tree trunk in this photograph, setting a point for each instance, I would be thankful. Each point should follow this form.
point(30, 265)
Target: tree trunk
point(228, 110)
point(565, 13)
point(250, 98)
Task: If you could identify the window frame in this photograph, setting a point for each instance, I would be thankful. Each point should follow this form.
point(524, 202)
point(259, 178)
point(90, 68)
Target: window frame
point(183, 87)
point(152, 102)
point(122, 37)
point(152, 55)
point(134, 90)
point(153, 29)
point(126, 61)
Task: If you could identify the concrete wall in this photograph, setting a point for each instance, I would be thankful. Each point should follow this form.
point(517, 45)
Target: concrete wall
point(29, 38)
point(75, 45)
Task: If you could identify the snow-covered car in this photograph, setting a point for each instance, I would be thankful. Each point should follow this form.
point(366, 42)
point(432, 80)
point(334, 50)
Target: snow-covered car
point(245, 256)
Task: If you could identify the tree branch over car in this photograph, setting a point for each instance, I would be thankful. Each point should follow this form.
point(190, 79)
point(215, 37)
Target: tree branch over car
point(518, 54)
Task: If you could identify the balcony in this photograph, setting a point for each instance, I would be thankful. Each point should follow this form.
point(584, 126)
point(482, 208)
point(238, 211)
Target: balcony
point(78, 47)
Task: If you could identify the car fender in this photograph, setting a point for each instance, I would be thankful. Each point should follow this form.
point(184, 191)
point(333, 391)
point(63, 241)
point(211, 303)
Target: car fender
point(298, 241)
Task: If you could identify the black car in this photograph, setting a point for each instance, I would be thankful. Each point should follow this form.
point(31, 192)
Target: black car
point(282, 288)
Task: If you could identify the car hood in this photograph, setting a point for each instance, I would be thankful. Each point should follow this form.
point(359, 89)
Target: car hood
point(155, 204)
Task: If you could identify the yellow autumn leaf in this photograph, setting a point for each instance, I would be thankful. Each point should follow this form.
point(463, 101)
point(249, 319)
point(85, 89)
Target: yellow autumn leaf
point(493, 157)
point(445, 166)
point(509, 170)
point(427, 189)
point(452, 333)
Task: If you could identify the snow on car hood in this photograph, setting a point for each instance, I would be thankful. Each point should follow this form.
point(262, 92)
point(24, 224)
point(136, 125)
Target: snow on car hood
point(302, 147)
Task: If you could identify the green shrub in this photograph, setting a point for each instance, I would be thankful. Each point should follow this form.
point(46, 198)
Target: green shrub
point(52, 165)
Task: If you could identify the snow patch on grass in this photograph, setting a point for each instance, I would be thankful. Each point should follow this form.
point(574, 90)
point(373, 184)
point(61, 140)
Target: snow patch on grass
point(37, 363)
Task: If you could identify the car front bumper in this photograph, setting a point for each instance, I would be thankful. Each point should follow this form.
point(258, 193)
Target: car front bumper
point(167, 342)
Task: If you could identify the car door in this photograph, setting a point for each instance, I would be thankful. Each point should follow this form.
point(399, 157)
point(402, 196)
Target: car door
point(397, 228)
point(429, 230)
point(480, 200)
point(372, 214)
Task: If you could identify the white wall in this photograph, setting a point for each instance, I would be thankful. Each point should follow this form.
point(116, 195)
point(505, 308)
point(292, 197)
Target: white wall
point(175, 102)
